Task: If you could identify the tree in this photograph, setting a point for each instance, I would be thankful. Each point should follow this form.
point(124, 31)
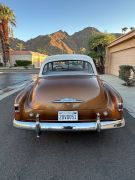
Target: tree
point(20, 46)
point(7, 19)
point(2, 40)
point(42, 50)
point(97, 45)
point(83, 50)
point(124, 29)
point(131, 28)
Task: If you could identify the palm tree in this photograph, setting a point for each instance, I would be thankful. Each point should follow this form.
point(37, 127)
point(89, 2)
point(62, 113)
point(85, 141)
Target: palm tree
point(124, 30)
point(42, 50)
point(20, 46)
point(131, 28)
point(7, 19)
point(2, 40)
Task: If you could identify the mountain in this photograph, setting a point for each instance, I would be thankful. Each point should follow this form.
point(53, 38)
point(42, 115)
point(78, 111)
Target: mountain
point(14, 42)
point(58, 42)
point(81, 38)
point(61, 42)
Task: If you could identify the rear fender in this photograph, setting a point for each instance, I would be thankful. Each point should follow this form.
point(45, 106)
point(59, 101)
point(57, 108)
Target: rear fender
point(20, 101)
point(115, 98)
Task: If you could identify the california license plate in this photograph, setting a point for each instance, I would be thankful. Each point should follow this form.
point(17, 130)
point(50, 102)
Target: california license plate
point(67, 115)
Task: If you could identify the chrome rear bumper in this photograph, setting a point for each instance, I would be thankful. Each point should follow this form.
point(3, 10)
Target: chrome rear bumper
point(66, 126)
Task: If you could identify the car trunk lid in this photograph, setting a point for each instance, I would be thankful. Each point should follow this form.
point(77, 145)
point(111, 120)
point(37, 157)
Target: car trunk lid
point(68, 93)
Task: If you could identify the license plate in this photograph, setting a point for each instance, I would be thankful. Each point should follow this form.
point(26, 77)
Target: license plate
point(68, 116)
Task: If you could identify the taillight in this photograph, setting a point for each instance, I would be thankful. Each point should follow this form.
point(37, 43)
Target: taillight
point(17, 111)
point(16, 108)
point(120, 106)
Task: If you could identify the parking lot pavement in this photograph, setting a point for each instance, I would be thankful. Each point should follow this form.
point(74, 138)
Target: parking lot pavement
point(13, 82)
point(12, 79)
point(109, 155)
point(128, 93)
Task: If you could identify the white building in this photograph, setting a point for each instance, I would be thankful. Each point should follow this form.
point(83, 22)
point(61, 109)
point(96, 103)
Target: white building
point(35, 57)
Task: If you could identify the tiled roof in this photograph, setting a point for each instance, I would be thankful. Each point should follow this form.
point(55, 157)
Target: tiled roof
point(20, 53)
point(24, 53)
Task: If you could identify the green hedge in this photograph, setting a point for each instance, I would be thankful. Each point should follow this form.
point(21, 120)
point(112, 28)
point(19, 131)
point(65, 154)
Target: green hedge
point(125, 72)
point(23, 63)
point(1, 64)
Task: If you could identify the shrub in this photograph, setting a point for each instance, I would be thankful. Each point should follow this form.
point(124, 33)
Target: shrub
point(125, 73)
point(1, 64)
point(23, 63)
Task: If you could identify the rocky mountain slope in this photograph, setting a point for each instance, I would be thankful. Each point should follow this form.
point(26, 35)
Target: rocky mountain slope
point(58, 42)
point(61, 42)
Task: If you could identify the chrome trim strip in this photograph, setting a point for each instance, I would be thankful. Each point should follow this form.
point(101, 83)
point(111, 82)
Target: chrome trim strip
point(68, 100)
point(77, 126)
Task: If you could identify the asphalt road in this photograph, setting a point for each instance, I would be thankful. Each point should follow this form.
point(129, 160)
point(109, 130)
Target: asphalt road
point(109, 155)
point(9, 79)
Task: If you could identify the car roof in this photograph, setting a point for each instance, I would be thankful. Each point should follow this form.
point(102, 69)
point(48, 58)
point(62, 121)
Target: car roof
point(67, 57)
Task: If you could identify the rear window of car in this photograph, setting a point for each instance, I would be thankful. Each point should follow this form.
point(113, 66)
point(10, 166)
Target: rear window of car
point(68, 65)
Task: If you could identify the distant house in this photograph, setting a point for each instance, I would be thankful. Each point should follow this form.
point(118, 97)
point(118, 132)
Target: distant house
point(121, 52)
point(35, 57)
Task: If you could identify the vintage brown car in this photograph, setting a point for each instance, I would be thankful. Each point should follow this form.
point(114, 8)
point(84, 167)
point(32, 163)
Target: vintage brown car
point(68, 96)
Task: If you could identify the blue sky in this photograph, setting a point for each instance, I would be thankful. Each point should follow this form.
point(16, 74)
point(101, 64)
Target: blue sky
point(40, 17)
